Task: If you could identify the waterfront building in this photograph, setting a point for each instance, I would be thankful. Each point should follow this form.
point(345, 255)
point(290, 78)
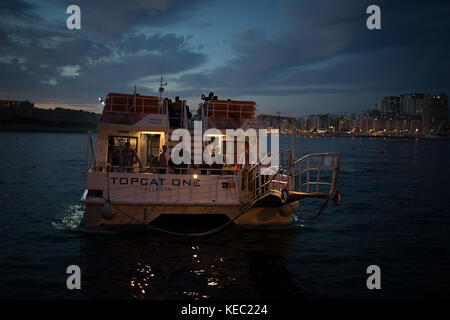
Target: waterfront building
point(435, 112)
point(412, 103)
point(345, 125)
point(16, 105)
point(305, 124)
point(390, 105)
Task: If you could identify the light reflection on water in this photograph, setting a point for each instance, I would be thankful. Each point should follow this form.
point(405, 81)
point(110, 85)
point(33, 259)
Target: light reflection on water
point(72, 218)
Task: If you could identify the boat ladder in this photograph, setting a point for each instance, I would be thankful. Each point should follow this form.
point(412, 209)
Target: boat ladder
point(312, 176)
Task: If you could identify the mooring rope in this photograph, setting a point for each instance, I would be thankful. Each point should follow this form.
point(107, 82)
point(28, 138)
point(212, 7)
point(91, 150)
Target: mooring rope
point(214, 230)
point(318, 214)
point(196, 234)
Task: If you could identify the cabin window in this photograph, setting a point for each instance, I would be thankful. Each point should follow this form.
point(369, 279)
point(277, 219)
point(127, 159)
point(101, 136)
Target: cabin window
point(116, 144)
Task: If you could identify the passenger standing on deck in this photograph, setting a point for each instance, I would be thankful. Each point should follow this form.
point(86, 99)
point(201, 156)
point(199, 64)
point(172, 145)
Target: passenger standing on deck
point(209, 97)
point(177, 105)
point(129, 157)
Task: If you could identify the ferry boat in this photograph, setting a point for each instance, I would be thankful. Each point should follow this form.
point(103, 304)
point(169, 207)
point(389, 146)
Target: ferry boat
point(146, 192)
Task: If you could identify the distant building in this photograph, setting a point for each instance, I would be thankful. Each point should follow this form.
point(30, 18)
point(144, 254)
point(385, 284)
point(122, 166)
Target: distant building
point(16, 105)
point(435, 112)
point(304, 124)
point(404, 113)
point(401, 123)
point(390, 105)
point(412, 103)
point(345, 125)
point(361, 124)
point(321, 123)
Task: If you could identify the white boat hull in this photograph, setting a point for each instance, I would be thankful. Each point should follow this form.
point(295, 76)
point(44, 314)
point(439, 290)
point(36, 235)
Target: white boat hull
point(145, 214)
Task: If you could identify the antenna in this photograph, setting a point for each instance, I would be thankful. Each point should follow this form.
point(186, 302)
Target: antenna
point(279, 119)
point(162, 84)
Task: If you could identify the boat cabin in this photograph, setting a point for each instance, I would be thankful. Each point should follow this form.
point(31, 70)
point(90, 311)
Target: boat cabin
point(146, 122)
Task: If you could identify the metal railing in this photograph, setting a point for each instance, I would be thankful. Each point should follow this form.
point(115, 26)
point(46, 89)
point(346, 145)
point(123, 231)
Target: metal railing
point(129, 104)
point(228, 108)
point(95, 166)
point(313, 173)
point(317, 172)
point(257, 184)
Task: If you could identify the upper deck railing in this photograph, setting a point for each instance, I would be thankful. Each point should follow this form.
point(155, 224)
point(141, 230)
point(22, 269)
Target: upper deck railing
point(230, 109)
point(119, 102)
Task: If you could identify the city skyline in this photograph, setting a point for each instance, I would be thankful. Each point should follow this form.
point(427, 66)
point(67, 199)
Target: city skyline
point(290, 56)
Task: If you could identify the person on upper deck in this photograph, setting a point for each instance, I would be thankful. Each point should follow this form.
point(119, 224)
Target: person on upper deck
point(175, 111)
point(177, 105)
point(209, 97)
point(129, 156)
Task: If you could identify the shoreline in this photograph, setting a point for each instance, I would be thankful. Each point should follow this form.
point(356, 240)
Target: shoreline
point(421, 136)
point(83, 129)
point(13, 128)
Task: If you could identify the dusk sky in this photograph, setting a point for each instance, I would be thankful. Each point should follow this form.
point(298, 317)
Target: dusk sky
point(296, 57)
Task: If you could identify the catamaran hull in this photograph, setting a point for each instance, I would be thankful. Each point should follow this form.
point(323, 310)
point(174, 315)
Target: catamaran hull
point(146, 214)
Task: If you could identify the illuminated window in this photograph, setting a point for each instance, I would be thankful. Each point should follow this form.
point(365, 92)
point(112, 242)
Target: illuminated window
point(116, 144)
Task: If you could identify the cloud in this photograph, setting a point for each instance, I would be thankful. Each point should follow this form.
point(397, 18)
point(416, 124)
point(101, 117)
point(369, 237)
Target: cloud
point(328, 49)
point(51, 81)
point(111, 20)
point(18, 9)
point(82, 66)
point(320, 48)
point(69, 71)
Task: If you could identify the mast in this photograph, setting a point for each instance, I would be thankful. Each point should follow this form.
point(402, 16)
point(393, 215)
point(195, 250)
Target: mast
point(134, 100)
point(162, 84)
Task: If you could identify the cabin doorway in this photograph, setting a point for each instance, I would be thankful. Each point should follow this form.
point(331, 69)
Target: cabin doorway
point(151, 143)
